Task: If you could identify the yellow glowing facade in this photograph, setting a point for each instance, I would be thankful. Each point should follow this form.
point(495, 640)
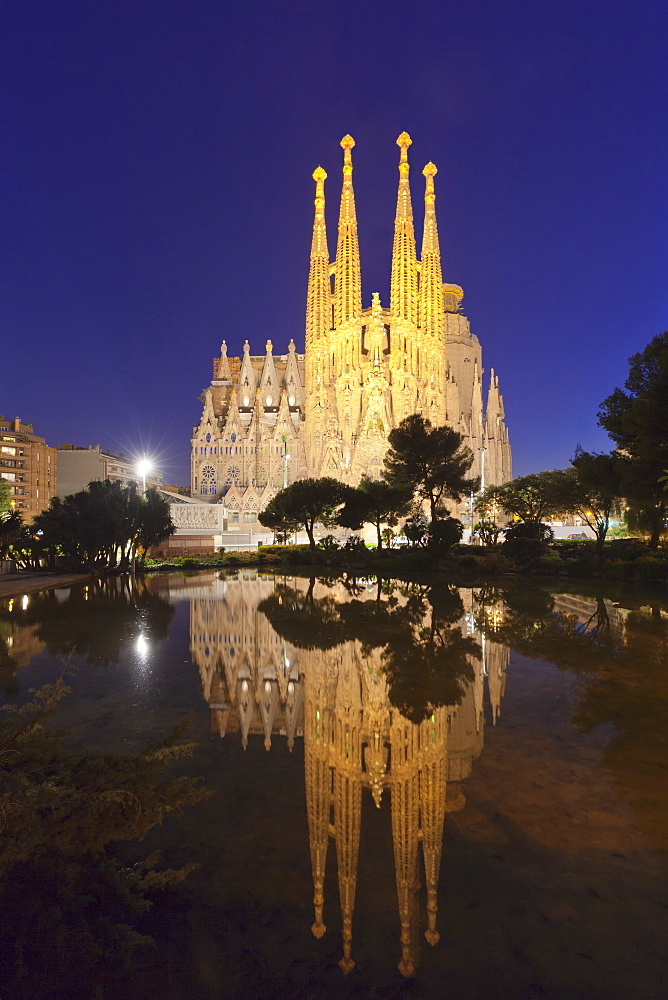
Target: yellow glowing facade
point(268, 420)
point(354, 739)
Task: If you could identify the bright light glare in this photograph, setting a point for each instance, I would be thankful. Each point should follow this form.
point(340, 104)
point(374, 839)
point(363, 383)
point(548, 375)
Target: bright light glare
point(25, 601)
point(141, 645)
point(144, 466)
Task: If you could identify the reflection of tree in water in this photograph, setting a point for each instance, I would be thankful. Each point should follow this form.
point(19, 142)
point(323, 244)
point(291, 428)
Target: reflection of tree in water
point(621, 658)
point(95, 620)
point(425, 655)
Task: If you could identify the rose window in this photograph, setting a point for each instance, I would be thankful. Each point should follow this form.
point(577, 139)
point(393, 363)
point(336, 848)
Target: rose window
point(208, 480)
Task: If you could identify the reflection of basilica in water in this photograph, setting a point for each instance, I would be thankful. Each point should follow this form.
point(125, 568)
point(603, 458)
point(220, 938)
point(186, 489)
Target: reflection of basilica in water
point(338, 699)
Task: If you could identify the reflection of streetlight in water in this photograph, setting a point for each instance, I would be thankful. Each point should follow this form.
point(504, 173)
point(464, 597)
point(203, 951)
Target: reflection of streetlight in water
point(142, 647)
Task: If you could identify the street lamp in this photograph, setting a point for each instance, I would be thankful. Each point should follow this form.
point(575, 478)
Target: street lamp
point(144, 466)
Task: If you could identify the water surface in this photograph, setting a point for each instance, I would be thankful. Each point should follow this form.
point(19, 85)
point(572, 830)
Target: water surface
point(417, 790)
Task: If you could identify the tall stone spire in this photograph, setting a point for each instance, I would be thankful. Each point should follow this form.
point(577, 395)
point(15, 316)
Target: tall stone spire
point(318, 305)
point(348, 287)
point(403, 289)
point(431, 277)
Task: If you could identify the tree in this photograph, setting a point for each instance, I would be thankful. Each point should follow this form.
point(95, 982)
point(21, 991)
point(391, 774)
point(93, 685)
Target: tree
point(487, 531)
point(416, 527)
point(636, 419)
point(527, 541)
point(530, 498)
point(11, 527)
point(374, 502)
point(155, 521)
point(429, 462)
point(305, 503)
point(5, 497)
point(591, 489)
point(276, 520)
point(487, 527)
point(102, 526)
point(444, 533)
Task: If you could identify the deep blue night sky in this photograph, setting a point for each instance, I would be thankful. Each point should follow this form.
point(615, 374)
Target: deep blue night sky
point(156, 195)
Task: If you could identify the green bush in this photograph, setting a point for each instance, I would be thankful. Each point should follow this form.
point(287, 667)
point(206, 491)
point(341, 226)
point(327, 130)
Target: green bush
point(625, 548)
point(618, 569)
point(496, 562)
point(650, 569)
point(467, 561)
point(550, 563)
point(292, 555)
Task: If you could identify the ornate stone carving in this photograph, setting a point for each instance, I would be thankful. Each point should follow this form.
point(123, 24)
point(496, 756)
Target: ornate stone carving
point(196, 516)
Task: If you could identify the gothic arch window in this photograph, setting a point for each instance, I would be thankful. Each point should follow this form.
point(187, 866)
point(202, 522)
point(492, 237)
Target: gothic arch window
point(208, 481)
point(233, 476)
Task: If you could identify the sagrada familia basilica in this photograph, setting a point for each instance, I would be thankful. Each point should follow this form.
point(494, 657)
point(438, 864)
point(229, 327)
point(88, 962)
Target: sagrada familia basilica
point(270, 419)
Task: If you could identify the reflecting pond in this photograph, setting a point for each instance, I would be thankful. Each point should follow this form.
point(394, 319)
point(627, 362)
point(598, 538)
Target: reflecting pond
point(417, 789)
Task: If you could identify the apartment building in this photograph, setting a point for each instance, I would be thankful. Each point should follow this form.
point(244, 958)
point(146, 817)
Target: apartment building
point(28, 464)
point(77, 467)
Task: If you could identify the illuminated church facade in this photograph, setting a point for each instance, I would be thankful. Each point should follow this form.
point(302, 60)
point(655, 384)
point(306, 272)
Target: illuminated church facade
point(270, 419)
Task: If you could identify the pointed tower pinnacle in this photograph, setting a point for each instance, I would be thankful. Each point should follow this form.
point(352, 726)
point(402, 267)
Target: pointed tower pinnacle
point(431, 277)
point(223, 366)
point(318, 307)
point(348, 274)
point(403, 288)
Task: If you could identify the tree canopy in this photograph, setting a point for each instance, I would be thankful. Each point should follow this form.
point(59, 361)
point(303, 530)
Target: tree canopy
point(304, 504)
point(636, 418)
point(374, 502)
point(591, 489)
point(103, 526)
point(531, 498)
point(5, 497)
point(11, 527)
point(431, 463)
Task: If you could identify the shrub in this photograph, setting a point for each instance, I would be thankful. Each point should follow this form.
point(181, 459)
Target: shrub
point(550, 563)
point(496, 562)
point(329, 544)
point(650, 569)
point(526, 543)
point(291, 555)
